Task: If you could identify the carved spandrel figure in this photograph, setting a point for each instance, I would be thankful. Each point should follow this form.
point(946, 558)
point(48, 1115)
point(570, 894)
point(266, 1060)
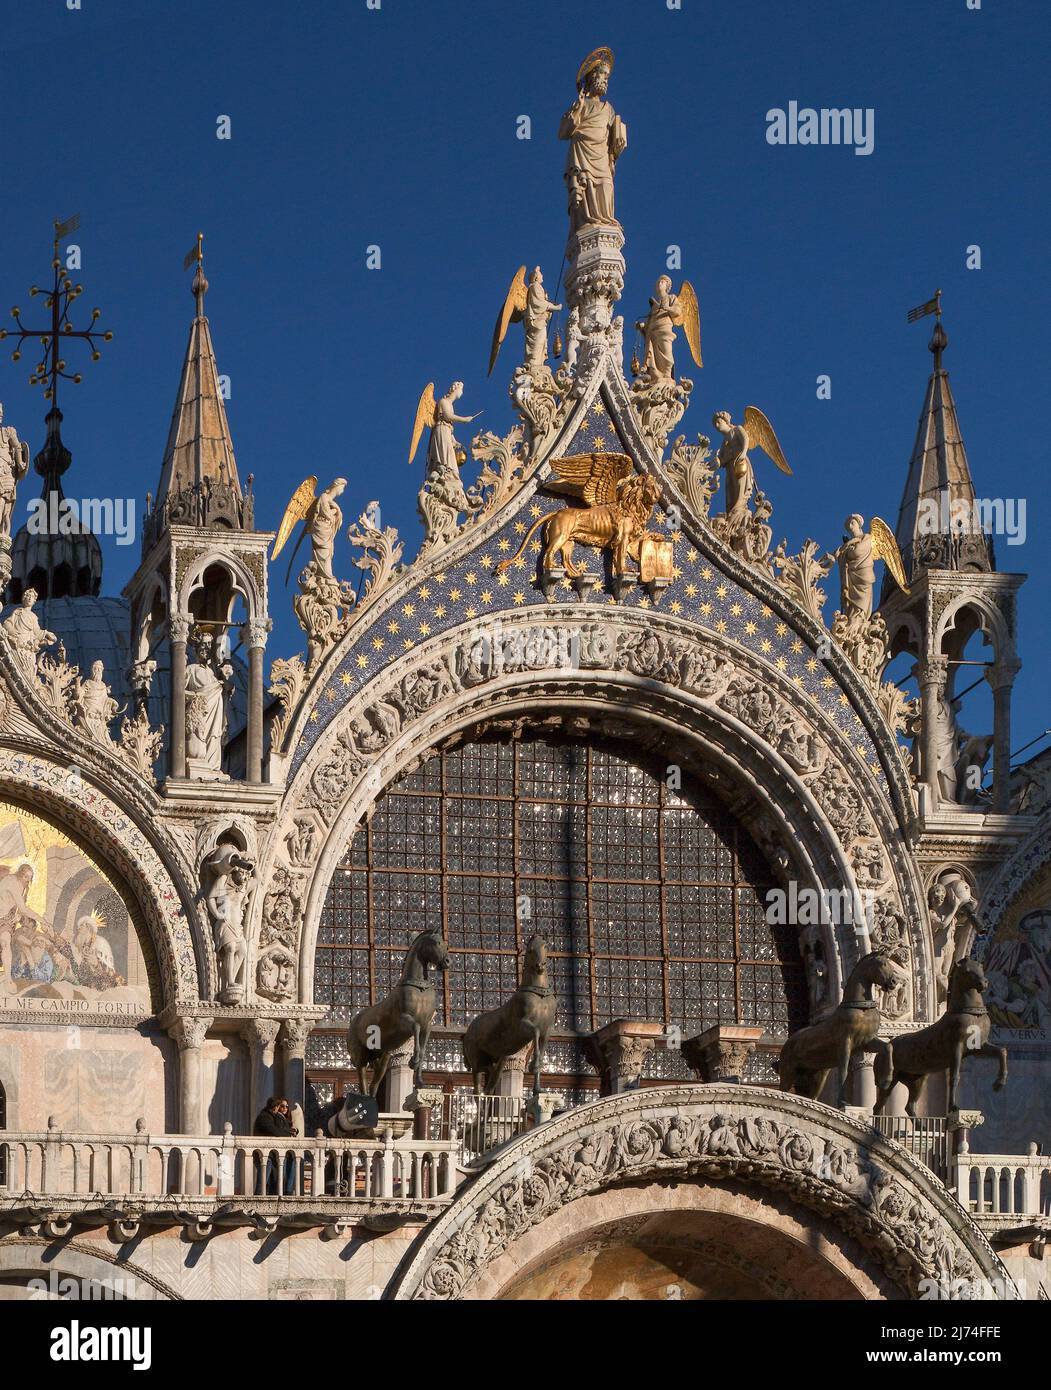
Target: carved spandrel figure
point(530, 305)
point(226, 878)
point(25, 635)
point(206, 688)
point(95, 708)
point(597, 138)
point(14, 464)
point(669, 311)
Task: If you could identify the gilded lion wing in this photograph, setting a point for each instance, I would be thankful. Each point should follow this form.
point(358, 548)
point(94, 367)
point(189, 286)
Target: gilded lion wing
point(594, 478)
point(760, 431)
point(512, 311)
point(691, 320)
point(425, 417)
point(298, 509)
point(885, 548)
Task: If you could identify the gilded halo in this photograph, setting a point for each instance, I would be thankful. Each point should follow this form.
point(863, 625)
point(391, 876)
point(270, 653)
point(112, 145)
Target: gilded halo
point(594, 60)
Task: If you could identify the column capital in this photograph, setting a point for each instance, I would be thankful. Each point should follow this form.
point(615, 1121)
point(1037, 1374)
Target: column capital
point(619, 1051)
point(189, 1032)
point(254, 632)
point(1001, 674)
point(722, 1052)
point(933, 671)
point(294, 1034)
point(178, 628)
point(260, 1032)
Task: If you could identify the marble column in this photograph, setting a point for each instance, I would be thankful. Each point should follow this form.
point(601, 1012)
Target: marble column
point(179, 629)
point(1001, 679)
point(933, 675)
point(254, 636)
point(260, 1034)
point(864, 1081)
point(293, 1045)
point(189, 1035)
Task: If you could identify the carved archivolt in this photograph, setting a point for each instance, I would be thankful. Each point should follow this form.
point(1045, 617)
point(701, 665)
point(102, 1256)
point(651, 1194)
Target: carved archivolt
point(1029, 859)
point(871, 1189)
point(821, 800)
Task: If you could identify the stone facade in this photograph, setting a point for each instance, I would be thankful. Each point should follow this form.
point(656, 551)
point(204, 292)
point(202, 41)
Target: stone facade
point(684, 635)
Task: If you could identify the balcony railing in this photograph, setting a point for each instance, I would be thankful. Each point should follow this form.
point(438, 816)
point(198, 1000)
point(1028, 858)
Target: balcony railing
point(925, 1137)
point(1014, 1188)
point(166, 1169)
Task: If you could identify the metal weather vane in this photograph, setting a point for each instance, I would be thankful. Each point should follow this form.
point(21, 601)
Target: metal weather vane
point(59, 299)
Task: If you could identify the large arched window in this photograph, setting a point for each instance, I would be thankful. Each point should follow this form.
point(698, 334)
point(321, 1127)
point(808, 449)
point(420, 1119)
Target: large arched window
point(651, 896)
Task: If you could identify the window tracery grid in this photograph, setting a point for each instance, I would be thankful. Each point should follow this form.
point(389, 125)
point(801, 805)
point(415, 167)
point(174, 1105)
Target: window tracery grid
point(651, 898)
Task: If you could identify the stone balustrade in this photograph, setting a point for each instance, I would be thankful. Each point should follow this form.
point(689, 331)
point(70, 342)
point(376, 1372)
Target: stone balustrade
point(1014, 1188)
point(163, 1170)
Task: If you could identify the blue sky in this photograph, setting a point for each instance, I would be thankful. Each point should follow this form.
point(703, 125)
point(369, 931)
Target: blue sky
point(396, 127)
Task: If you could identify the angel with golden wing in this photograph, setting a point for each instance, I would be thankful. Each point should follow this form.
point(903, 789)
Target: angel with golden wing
point(669, 311)
point(323, 517)
point(756, 432)
point(530, 305)
point(857, 558)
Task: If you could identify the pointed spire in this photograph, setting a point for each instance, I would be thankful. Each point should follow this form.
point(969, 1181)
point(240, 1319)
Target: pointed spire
point(199, 484)
point(937, 507)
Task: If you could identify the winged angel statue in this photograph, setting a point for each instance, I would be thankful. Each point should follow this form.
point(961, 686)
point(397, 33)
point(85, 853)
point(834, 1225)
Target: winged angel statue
point(530, 305)
point(618, 505)
point(442, 497)
point(669, 311)
point(323, 517)
point(323, 603)
point(857, 558)
point(738, 523)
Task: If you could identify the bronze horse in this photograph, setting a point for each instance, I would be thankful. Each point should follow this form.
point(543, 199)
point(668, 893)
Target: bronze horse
point(524, 1019)
point(811, 1053)
point(962, 1031)
point(405, 1013)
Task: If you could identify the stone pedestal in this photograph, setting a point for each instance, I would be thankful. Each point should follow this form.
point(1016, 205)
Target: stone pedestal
point(618, 1052)
point(721, 1053)
point(512, 1075)
point(399, 1082)
point(595, 275)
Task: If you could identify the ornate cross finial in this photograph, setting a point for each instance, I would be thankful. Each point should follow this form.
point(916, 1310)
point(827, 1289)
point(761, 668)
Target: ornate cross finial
point(59, 299)
point(199, 288)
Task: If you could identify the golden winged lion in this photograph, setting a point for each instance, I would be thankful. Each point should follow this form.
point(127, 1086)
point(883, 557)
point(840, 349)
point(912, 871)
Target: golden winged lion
point(619, 502)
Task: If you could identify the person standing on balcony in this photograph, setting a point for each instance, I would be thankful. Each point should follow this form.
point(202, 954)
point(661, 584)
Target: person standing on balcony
point(275, 1121)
